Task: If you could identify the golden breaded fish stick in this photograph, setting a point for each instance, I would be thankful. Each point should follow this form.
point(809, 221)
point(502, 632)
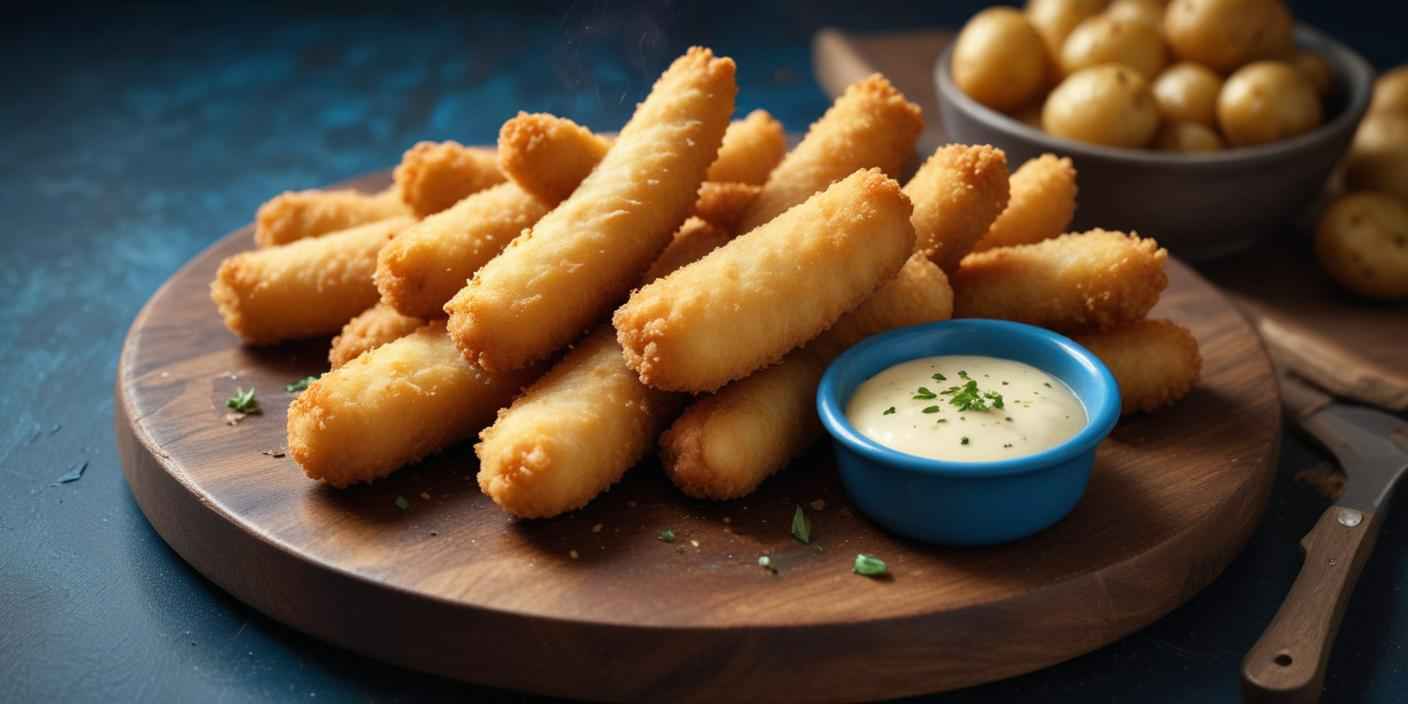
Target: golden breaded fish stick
point(573, 433)
point(1095, 280)
point(551, 284)
point(433, 176)
point(301, 289)
point(751, 301)
point(1042, 204)
point(725, 445)
point(751, 149)
point(957, 194)
point(871, 125)
point(371, 329)
point(723, 203)
point(430, 261)
point(1155, 362)
point(547, 155)
point(695, 238)
point(393, 406)
point(294, 215)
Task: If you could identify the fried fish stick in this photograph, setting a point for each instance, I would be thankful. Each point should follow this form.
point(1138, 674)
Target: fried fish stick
point(1042, 205)
point(301, 289)
point(751, 149)
point(371, 329)
point(551, 284)
point(433, 176)
point(753, 300)
point(723, 203)
point(725, 445)
point(957, 194)
point(547, 155)
point(294, 215)
point(393, 406)
point(1155, 362)
point(1095, 280)
point(695, 238)
point(871, 125)
point(429, 262)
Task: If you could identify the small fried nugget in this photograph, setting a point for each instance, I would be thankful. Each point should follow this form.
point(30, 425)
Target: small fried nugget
point(751, 149)
point(724, 203)
point(725, 445)
point(294, 215)
point(1155, 362)
point(433, 176)
point(547, 155)
point(956, 194)
point(371, 329)
point(429, 262)
point(1042, 205)
point(392, 406)
point(871, 125)
point(1092, 280)
point(751, 301)
point(554, 282)
point(695, 238)
point(306, 288)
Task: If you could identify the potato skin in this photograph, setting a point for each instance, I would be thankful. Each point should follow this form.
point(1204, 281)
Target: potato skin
point(999, 59)
point(1265, 102)
point(1378, 158)
point(1108, 105)
point(1362, 242)
point(1391, 92)
point(1187, 92)
point(371, 329)
point(1187, 138)
point(1155, 362)
point(1055, 19)
point(295, 215)
point(1227, 34)
point(957, 194)
point(1041, 206)
point(1105, 39)
point(433, 176)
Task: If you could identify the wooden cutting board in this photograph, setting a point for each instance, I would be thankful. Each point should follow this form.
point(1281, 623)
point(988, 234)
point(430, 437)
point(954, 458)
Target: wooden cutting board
point(593, 605)
point(1352, 347)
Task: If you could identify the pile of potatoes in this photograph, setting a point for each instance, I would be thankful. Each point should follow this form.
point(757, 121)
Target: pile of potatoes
point(1362, 239)
point(1192, 76)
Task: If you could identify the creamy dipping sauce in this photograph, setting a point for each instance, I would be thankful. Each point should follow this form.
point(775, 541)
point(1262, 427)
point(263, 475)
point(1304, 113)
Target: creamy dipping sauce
point(966, 408)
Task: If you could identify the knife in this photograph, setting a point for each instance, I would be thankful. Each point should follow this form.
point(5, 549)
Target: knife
point(1288, 663)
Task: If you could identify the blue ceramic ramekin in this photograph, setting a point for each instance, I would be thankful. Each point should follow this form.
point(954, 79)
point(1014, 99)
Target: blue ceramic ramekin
point(968, 503)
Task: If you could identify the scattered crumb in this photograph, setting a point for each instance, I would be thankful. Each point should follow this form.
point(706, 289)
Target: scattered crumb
point(597, 528)
point(695, 543)
point(272, 453)
point(727, 519)
point(818, 505)
point(434, 533)
point(233, 418)
point(425, 495)
point(574, 554)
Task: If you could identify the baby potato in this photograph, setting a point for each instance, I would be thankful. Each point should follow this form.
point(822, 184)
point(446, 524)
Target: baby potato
point(999, 59)
point(1380, 132)
point(1362, 242)
point(1150, 12)
point(1054, 20)
point(1391, 92)
point(1187, 137)
point(1267, 101)
point(1316, 70)
point(1378, 158)
point(1226, 34)
point(1187, 92)
point(1108, 105)
point(1105, 40)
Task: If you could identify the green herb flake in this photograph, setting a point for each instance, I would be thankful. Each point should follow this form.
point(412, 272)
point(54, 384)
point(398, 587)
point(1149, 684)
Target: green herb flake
point(889, 411)
point(243, 401)
point(924, 394)
point(801, 527)
point(301, 384)
point(962, 374)
point(1047, 384)
point(869, 566)
point(402, 503)
point(943, 420)
point(965, 439)
point(765, 562)
point(931, 409)
point(994, 398)
point(938, 377)
point(666, 536)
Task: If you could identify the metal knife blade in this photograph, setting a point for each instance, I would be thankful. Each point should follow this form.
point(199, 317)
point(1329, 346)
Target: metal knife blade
point(1370, 445)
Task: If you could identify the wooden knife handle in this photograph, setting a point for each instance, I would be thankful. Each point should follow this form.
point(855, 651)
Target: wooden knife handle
point(1288, 663)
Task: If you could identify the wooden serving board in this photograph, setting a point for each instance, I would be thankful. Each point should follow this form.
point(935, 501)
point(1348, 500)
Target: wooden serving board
point(593, 605)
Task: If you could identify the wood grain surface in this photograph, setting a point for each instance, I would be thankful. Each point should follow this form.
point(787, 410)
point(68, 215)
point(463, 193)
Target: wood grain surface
point(593, 605)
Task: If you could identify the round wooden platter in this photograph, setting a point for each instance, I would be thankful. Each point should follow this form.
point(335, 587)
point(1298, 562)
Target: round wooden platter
point(593, 605)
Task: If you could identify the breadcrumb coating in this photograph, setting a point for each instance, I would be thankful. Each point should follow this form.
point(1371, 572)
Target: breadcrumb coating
point(1042, 204)
point(1155, 362)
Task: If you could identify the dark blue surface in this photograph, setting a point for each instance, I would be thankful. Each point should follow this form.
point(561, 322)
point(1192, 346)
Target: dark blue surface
point(134, 136)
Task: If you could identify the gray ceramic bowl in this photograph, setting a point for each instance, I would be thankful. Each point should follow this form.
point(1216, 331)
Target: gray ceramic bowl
point(1198, 206)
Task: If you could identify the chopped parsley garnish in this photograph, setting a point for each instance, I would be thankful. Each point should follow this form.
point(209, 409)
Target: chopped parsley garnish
point(962, 374)
point(931, 409)
point(1047, 384)
point(965, 439)
point(889, 411)
point(943, 420)
point(301, 384)
point(924, 394)
point(665, 536)
point(801, 527)
point(969, 398)
point(1006, 445)
point(938, 377)
point(243, 401)
point(869, 566)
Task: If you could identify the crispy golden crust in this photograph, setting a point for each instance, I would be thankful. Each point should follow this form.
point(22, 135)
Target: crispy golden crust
point(392, 406)
point(1093, 280)
point(871, 125)
point(752, 148)
point(725, 445)
point(1155, 362)
point(294, 215)
point(723, 203)
point(584, 256)
point(430, 261)
point(692, 241)
point(957, 194)
point(573, 433)
point(302, 289)
point(433, 176)
point(749, 302)
point(1042, 205)
point(547, 155)
point(371, 329)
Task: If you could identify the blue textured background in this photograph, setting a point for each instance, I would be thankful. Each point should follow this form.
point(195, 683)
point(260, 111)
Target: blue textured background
point(134, 136)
